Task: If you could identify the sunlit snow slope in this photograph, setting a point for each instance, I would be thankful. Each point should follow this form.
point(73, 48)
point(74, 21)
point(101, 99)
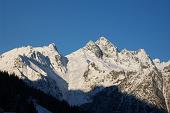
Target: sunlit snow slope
point(101, 64)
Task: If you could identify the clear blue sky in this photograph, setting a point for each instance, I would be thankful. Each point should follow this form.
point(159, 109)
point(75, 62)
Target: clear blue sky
point(70, 24)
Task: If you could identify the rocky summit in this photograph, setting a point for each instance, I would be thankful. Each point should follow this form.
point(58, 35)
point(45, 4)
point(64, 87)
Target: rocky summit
point(99, 78)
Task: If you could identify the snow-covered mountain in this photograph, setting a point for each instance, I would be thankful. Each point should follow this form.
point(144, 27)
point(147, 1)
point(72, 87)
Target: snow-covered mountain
point(83, 74)
point(164, 68)
point(41, 67)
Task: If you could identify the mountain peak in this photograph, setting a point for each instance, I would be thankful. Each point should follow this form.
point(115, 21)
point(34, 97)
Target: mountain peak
point(104, 42)
point(94, 48)
point(78, 76)
point(107, 47)
point(103, 38)
point(90, 43)
point(53, 47)
point(142, 53)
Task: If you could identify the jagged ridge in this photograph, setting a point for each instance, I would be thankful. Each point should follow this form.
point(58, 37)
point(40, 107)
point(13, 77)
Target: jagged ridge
point(99, 63)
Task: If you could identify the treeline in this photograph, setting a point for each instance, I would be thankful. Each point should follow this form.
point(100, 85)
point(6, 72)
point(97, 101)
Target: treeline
point(17, 96)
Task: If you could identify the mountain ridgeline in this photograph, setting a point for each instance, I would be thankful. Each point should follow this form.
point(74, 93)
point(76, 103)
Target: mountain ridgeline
point(97, 78)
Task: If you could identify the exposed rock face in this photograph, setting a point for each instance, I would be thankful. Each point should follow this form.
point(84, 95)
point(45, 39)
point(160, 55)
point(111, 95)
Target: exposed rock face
point(165, 69)
point(93, 74)
point(166, 77)
point(107, 47)
point(112, 100)
point(91, 46)
point(37, 66)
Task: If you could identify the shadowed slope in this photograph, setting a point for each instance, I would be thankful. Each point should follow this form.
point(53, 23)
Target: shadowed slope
point(16, 96)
